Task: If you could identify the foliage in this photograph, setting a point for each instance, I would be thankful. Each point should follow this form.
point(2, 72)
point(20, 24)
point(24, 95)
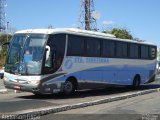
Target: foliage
point(120, 33)
point(3, 51)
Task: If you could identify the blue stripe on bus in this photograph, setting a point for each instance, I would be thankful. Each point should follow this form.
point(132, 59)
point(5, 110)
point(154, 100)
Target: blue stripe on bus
point(114, 74)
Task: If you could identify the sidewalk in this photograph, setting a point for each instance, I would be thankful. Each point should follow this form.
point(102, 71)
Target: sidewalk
point(2, 88)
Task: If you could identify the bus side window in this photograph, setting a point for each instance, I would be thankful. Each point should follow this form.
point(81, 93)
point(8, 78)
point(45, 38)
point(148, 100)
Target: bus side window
point(133, 51)
point(121, 50)
point(108, 48)
point(93, 47)
point(152, 52)
point(56, 44)
point(144, 52)
point(75, 45)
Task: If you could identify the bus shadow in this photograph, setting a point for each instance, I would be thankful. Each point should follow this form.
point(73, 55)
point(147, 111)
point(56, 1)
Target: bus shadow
point(92, 93)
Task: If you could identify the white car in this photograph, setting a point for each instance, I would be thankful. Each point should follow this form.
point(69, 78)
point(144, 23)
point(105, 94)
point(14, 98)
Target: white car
point(1, 73)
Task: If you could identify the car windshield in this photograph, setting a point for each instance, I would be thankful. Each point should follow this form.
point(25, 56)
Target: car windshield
point(25, 54)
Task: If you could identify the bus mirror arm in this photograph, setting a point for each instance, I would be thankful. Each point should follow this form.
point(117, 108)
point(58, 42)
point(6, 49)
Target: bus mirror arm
point(47, 52)
point(6, 43)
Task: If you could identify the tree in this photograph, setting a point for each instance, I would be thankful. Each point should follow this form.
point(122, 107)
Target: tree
point(120, 33)
point(3, 38)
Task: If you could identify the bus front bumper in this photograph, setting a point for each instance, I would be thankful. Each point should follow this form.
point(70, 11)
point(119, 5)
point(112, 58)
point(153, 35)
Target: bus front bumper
point(39, 88)
point(19, 86)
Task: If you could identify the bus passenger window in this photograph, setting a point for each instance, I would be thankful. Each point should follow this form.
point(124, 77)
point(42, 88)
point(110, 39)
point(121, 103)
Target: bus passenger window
point(152, 52)
point(121, 50)
point(93, 47)
point(56, 44)
point(108, 49)
point(75, 46)
point(133, 51)
point(144, 52)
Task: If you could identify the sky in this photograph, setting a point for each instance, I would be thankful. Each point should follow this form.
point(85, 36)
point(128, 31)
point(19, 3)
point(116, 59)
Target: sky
point(140, 17)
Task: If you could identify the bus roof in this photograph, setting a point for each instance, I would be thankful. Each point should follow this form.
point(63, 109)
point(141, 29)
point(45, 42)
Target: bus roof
point(79, 32)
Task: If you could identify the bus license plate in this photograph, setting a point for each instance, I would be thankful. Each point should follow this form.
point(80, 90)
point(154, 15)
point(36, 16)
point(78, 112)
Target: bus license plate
point(17, 87)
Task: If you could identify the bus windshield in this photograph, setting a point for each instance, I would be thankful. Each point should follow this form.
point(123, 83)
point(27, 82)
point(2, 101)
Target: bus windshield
point(26, 54)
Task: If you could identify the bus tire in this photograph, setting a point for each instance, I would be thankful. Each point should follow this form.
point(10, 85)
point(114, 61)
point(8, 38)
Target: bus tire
point(136, 81)
point(69, 86)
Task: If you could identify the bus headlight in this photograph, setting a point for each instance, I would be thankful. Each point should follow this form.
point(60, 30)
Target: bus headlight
point(34, 82)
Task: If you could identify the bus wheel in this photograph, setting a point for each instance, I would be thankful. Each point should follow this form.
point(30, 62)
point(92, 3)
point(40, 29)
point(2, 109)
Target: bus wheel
point(69, 87)
point(136, 81)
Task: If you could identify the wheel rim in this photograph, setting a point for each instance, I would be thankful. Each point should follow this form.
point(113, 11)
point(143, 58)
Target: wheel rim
point(136, 83)
point(68, 87)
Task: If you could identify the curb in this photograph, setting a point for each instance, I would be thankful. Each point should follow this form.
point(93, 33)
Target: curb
point(44, 111)
point(3, 91)
point(6, 91)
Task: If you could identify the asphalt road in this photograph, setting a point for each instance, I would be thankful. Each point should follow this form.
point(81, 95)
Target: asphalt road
point(22, 101)
point(145, 107)
point(1, 84)
point(15, 102)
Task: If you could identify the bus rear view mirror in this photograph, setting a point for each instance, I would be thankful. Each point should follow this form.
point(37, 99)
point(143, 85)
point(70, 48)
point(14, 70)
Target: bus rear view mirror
point(6, 43)
point(48, 57)
point(48, 51)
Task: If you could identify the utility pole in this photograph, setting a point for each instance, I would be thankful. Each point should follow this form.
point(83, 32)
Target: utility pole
point(7, 30)
point(87, 14)
point(2, 16)
point(87, 19)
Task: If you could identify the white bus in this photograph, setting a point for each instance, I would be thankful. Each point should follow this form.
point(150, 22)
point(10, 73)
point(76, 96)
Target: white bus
point(46, 61)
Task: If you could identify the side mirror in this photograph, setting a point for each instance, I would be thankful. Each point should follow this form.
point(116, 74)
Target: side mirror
point(6, 43)
point(48, 51)
point(48, 61)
